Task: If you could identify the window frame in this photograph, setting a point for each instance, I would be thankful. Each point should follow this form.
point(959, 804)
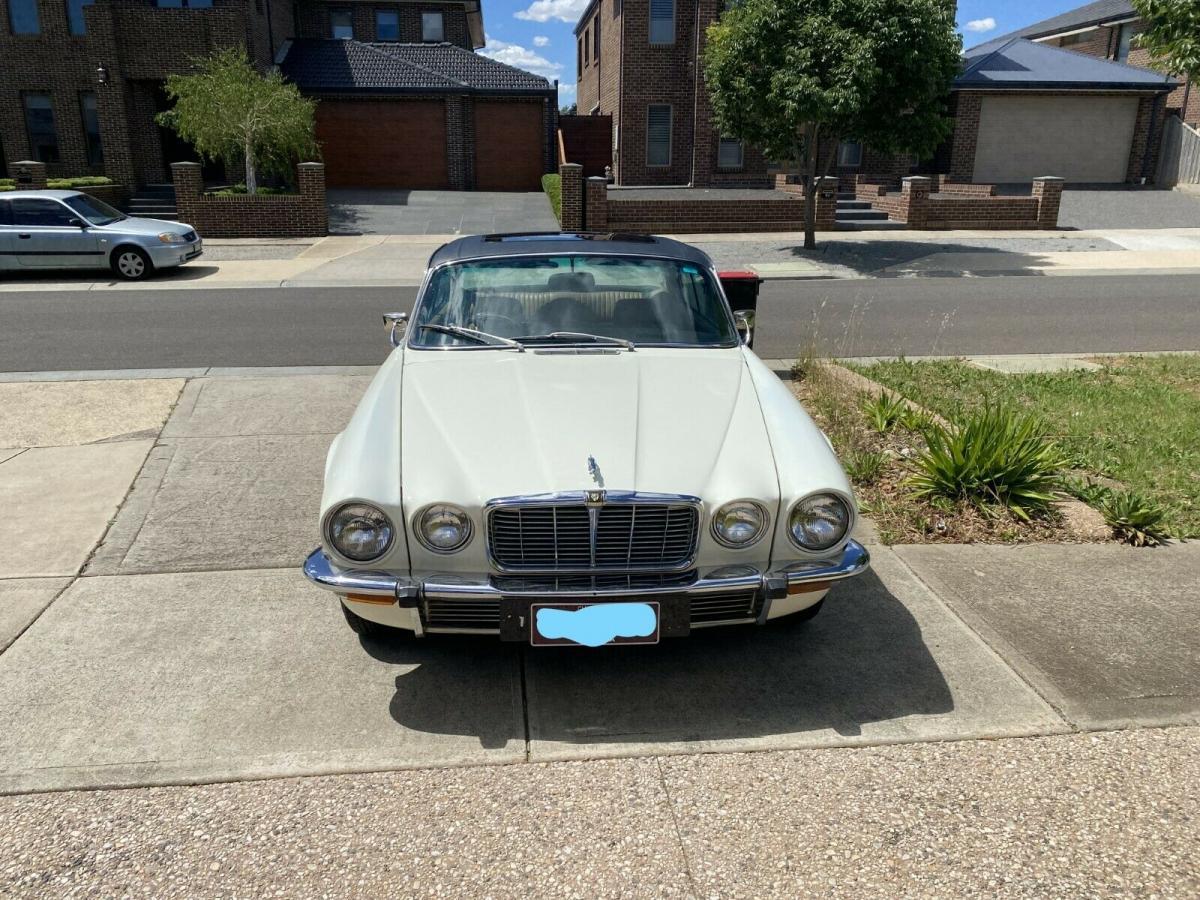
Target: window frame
point(71, 6)
point(1122, 31)
point(93, 144)
point(34, 152)
point(587, 47)
point(650, 38)
point(381, 11)
point(579, 58)
point(670, 135)
point(12, 20)
point(843, 147)
point(336, 11)
point(442, 26)
point(596, 38)
point(741, 154)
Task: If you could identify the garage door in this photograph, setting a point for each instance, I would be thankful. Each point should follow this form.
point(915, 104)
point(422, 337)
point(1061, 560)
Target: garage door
point(383, 144)
point(1081, 139)
point(509, 141)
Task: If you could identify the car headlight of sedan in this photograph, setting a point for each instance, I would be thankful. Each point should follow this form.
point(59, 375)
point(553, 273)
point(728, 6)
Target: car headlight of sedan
point(819, 522)
point(739, 524)
point(360, 532)
point(171, 237)
point(443, 528)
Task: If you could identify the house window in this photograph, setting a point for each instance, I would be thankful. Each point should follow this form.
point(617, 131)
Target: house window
point(662, 21)
point(579, 60)
point(387, 25)
point(596, 38)
point(1124, 42)
point(341, 25)
point(189, 4)
point(849, 154)
point(729, 153)
point(1071, 39)
point(658, 134)
point(75, 16)
point(587, 42)
point(39, 123)
point(91, 128)
point(433, 27)
point(23, 17)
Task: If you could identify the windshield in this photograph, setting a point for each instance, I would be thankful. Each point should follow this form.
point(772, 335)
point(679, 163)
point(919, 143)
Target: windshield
point(558, 300)
point(95, 211)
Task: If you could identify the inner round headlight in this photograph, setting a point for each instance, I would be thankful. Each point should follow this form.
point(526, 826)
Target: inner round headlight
point(739, 524)
point(360, 532)
point(819, 521)
point(443, 528)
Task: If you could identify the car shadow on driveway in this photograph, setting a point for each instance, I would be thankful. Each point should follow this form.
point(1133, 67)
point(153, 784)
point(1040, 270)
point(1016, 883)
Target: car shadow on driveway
point(862, 660)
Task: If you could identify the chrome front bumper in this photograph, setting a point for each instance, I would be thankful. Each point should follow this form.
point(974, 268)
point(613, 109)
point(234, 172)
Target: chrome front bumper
point(415, 593)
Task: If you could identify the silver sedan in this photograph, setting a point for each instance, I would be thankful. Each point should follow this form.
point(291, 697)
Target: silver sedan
point(69, 229)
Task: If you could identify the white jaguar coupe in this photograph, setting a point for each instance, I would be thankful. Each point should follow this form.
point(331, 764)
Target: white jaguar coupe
point(572, 444)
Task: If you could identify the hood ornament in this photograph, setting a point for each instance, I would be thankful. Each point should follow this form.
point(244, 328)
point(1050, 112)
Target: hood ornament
point(594, 471)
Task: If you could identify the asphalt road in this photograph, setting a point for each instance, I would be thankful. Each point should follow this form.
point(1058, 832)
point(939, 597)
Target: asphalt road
point(44, 331)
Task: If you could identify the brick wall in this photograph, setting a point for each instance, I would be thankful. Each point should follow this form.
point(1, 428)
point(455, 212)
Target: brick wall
point(313, 20)
point(1147, 139)
point(294, 215)
point(965, 138)
point(917, 205)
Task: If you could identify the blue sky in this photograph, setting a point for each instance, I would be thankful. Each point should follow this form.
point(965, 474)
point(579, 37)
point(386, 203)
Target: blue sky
point(537, 34)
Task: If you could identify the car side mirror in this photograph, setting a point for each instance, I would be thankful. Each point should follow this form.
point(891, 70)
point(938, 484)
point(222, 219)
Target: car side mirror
point(397, 322)
point(744, 320)
point(78, 223)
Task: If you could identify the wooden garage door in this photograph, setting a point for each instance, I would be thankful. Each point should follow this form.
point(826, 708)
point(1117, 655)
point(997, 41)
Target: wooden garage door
point(383, 143)
point(509, 141)
point(1082, 139)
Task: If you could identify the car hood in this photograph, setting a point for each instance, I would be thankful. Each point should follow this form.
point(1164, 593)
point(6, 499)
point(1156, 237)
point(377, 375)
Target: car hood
point(149, 227)
point(477, 425)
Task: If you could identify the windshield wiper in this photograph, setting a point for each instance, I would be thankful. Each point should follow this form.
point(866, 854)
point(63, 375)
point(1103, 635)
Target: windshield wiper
point(470, 334)
point(581, 336)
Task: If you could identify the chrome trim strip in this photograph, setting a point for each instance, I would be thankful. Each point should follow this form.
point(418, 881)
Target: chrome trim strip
point(321, 571)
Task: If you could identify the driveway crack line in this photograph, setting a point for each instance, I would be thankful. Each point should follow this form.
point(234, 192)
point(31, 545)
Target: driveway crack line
point(687, 863)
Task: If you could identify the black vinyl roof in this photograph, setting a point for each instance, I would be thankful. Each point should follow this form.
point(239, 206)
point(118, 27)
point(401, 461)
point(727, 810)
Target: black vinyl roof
point(495, 246)
point(339, 66)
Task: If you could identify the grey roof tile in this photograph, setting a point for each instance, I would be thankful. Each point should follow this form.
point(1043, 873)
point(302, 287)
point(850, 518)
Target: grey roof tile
point(1020, 64)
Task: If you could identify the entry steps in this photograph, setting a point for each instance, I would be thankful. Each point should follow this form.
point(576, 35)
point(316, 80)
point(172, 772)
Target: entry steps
point(857, 215)
point(154, 201)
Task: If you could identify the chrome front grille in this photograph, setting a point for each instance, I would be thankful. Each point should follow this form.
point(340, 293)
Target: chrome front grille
point(474, 615)
point(575, 537)
point(735, 606)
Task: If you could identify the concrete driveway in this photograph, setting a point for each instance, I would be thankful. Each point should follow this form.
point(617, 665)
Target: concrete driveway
point(1120, 207)
point(364, 211)
point(177, 642)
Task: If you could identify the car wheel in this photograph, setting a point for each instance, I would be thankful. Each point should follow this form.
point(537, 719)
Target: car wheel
point(368, 629)
point(131, 263)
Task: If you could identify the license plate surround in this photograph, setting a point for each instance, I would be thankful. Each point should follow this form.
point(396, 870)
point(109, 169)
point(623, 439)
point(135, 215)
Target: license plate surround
point(538, 640)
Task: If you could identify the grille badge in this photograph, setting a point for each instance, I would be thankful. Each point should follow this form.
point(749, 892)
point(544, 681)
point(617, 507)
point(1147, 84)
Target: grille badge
point(596, 498)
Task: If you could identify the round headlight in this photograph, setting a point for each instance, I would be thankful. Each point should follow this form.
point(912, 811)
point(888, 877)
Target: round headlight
point(443, 528)
point(360, 532)
point(739, 524)
point(819, 522)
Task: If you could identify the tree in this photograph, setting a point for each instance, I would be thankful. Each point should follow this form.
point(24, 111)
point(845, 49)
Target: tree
point(794, 77)
point(229, 111)
point(1171, 34)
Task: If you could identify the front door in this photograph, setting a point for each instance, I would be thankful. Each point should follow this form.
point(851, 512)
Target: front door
point(42, 235)
point(176, 149)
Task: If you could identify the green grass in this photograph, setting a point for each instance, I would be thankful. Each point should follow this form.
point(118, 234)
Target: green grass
point(62, 184)
point(552, 185)
point(1136, 421)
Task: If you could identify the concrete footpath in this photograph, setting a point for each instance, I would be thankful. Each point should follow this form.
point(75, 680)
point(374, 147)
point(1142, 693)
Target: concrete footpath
point(156, 631)
point(399, 260)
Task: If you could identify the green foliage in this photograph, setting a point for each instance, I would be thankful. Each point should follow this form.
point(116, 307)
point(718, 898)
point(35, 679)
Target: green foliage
point(240, 189)
point(1133, 517)
point(1171, 34)
point(62, 184)
point(552, 185)
point(884, 412)
point(229, 111)
point(864, 466)
point(995, 455)
point(919, 421)
point(794, 77)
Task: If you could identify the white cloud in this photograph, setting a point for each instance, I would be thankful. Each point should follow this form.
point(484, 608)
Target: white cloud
point(521, 57)
point(566, 94)
point(541, 41)
point(545, 10)
point(981, 25)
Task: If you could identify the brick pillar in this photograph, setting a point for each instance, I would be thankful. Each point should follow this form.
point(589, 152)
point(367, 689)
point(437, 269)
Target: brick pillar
point(29, 175)
point(1047, 191)
point(188, 186)
point(827, 191)
point(915, 194)
point(596, 218)
point(310, 176)
point(571, 176)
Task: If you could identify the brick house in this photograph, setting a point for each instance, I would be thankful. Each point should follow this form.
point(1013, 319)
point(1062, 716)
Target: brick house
point(82, 81)
point(638, 63)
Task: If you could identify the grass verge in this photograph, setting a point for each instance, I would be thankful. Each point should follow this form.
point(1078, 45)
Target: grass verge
point(1136, 420)
point(552, 185)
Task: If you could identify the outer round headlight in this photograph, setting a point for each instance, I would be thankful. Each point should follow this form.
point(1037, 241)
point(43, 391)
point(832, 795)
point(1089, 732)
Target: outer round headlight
point(739, 524)
point(360, 532)
point(443, 528)
point(819, 521)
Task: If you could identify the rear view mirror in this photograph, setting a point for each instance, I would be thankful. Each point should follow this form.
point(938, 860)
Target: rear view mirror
point(398, 323)
point(78, 223)
point(744, 320)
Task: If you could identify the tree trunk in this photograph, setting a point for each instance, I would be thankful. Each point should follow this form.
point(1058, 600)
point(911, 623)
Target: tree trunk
point(807, 160)
point(251, 176)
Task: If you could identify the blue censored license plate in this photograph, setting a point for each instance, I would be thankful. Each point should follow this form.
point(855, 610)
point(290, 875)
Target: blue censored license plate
point(593, 624)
